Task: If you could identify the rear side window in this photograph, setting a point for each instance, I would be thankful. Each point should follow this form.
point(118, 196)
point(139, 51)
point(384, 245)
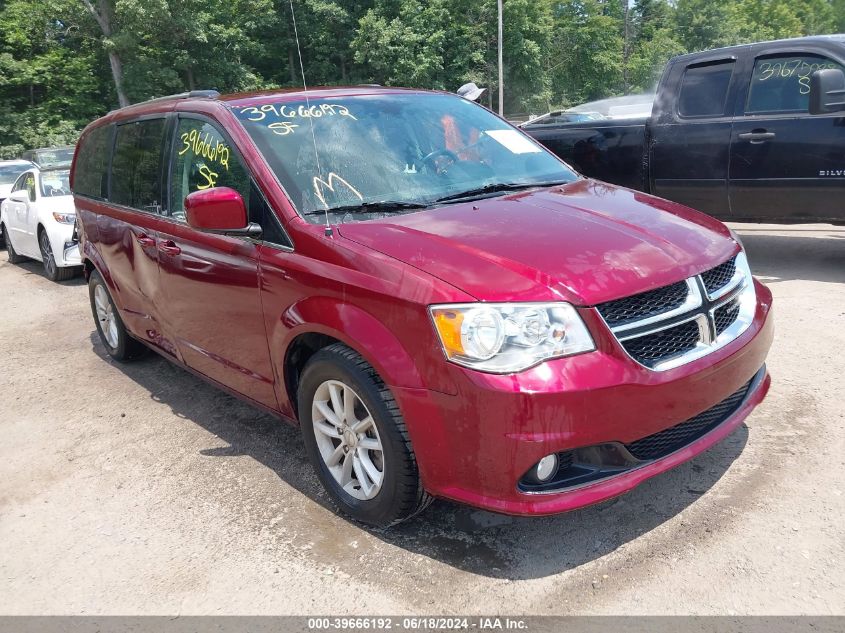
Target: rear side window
point(782, 83)
point(90, 177)
point(704, 89)
point(136, 166)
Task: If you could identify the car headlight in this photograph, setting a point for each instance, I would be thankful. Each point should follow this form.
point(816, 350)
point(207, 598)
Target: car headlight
point(64, 218)
point(503, 338)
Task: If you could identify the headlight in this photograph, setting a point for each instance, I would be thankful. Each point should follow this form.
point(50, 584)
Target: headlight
point(65, 218)
point(503, 338)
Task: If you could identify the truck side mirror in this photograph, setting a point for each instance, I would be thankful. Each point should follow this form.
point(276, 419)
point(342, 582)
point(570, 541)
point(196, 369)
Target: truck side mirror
point(827, 91)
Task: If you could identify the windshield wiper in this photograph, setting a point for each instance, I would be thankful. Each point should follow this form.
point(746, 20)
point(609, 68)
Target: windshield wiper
point(499, 187)
point(367, 207)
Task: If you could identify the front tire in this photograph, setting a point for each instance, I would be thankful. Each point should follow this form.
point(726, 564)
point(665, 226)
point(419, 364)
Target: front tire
point(14, 258)
point(113, 334)
point(356, 439)
point(51, 269)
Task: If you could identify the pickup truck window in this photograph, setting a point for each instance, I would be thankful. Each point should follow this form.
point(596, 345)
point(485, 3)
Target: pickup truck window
point(136, 166)
point(781, 83)
point(704, 89)
point(356, 153)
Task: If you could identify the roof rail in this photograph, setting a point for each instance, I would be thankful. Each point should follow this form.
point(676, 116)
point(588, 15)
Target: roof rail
point(193, 94)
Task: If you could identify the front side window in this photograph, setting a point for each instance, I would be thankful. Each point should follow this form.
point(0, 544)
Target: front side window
point(29, 185)
point(202, 159)
point(20, 183)
point(346, 155)
point(136, 165)
point(782, 83)
point(704, 89)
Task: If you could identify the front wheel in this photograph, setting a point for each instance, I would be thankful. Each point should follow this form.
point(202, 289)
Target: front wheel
point(51, 269)
point(356, 439)
point(113, 334)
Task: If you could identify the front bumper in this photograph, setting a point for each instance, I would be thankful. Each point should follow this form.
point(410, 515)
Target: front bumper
point(475, 446)
point(65, 247)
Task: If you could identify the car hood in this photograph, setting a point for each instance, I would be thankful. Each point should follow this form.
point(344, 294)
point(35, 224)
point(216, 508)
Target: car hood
point(585, 242)
point(5, 190)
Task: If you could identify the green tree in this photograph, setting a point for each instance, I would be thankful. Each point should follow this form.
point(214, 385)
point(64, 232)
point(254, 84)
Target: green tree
point(51, 78)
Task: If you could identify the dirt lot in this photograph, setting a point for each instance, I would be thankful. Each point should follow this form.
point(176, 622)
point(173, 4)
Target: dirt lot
point(139, 489)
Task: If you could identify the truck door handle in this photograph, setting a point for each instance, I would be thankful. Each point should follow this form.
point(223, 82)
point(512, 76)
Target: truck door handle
point(145, 240)
point(169, 247)
point(757, 136)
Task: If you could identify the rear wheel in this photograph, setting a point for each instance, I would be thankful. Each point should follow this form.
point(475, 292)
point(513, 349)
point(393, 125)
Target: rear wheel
point(356, 439)
point(14, 258)
point(113, 334)
point(51, 269)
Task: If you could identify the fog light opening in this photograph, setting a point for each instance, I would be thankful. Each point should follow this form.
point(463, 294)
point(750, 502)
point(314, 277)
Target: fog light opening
point(546, 468)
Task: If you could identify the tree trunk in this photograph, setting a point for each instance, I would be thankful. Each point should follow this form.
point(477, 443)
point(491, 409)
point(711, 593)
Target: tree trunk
point(117, 74)
point(102, 15)
point(189, 75)
point(292, 67)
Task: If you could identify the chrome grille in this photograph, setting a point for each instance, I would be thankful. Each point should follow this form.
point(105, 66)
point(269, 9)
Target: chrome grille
point(672, 341)
point(645, 304)
point(717, 278)
point(675, 324)
point(725, 315)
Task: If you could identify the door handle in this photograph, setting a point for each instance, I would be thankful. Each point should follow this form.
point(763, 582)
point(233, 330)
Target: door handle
point(756, 136)
point(169, 247)
point(145, 240)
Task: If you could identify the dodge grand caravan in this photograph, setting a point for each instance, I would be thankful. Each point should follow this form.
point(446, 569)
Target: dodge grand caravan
point(444, 307)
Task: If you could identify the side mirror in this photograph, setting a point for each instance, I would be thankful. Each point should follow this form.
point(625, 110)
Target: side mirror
point(219, 210)
point(19, 196)
point(827, 91)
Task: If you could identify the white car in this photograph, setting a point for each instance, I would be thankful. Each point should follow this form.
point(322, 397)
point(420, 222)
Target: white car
point(38, 219)
point(9, 172)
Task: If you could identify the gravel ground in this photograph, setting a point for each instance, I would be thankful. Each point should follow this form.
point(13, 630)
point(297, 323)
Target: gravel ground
point(139, 489)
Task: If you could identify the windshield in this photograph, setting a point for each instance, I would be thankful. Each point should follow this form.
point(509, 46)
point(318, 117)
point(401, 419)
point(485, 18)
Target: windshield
point(9, 173)
point(55, 183)
point(54, 157)
point(398, 148)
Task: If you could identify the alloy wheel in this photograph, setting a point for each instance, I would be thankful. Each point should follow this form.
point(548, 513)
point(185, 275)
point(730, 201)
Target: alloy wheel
point(47, 254)
point(348, 440)
point(106, 316)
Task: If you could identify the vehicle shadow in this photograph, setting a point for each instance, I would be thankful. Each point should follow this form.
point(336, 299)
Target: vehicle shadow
point(471, 540)
point(791, 254)
point(33, 267)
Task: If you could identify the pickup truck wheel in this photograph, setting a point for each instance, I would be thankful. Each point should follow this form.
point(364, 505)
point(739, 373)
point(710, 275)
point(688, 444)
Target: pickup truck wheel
point(14, 258)
point(113, 334)
point(356, 439)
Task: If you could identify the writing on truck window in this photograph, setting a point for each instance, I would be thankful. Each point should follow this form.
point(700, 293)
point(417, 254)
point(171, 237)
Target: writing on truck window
point(782, 84)
point(800, 68)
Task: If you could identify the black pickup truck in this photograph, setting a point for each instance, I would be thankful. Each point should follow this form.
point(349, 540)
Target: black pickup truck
point(750, 133)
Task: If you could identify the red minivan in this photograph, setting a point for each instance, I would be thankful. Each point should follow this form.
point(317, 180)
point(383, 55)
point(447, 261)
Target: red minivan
point(444, 307)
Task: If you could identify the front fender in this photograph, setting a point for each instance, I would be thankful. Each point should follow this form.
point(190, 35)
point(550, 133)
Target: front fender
point(354, 327)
